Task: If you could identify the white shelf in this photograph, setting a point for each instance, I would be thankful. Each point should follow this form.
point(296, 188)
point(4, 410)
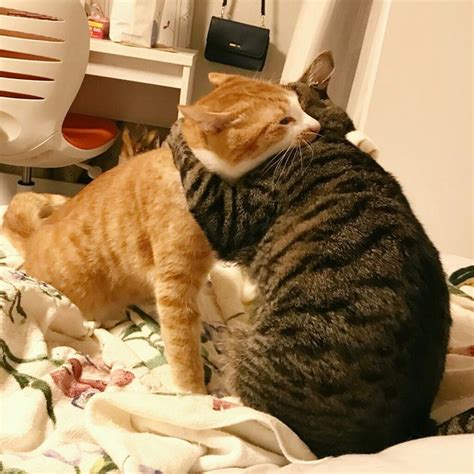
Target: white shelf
point(153, 66)
point(182, 57)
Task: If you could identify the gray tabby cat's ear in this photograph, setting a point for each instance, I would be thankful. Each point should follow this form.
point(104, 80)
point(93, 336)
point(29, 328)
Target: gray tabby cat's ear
point(207, 121)
point(320, 71)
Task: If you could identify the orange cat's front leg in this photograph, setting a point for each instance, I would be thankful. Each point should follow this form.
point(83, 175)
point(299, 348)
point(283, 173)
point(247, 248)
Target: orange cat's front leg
point(181, 332)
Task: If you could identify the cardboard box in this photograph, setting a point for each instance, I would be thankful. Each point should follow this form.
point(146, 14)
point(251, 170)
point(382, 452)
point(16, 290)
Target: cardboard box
point(99, 28)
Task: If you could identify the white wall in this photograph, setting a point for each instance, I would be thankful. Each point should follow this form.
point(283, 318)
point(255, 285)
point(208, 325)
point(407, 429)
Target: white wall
point(338, 25)
point(420, 113)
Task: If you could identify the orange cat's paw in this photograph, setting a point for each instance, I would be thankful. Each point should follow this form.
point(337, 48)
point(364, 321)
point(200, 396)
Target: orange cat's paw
point(202, 391)
point(195, 388)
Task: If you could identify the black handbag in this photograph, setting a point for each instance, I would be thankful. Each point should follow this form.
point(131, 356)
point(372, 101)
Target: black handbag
point(237, 44)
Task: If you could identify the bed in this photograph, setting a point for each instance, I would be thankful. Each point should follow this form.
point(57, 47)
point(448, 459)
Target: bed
point(76, 398)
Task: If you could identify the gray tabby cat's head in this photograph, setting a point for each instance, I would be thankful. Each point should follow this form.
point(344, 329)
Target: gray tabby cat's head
point(312, 93)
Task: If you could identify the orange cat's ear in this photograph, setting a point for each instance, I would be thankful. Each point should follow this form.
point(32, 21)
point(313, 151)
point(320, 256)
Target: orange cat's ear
point(320, 71)
point(208, 122)
point(218, 78)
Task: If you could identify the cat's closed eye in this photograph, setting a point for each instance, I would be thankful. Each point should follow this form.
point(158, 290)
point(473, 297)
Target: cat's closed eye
point(286, 120)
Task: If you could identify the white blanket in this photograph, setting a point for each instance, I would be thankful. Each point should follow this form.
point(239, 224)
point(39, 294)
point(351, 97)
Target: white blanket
point(75, 399)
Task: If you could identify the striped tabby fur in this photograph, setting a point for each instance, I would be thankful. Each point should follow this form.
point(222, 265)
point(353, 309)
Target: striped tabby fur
point(348, 347)
point(459, 424)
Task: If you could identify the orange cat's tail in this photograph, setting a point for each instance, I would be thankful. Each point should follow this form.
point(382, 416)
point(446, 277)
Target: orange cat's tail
point(26, 211)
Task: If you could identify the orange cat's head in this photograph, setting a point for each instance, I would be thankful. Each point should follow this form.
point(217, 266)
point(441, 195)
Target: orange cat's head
point(242, 122)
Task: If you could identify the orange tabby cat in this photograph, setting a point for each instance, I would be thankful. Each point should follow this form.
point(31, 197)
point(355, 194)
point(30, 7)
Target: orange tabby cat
point(128, 235)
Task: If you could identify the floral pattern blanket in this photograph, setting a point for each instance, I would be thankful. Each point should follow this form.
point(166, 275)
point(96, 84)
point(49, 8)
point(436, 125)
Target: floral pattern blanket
point(75, 398)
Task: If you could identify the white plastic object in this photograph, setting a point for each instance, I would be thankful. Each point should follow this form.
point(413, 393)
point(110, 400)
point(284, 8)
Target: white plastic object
point(25, 188)
point(37, 88)
point(92, 171)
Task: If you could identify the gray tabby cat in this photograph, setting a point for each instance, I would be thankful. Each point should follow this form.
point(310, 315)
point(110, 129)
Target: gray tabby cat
point(348, 347)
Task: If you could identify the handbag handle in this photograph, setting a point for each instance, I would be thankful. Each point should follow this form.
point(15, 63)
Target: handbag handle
point(262, 10)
